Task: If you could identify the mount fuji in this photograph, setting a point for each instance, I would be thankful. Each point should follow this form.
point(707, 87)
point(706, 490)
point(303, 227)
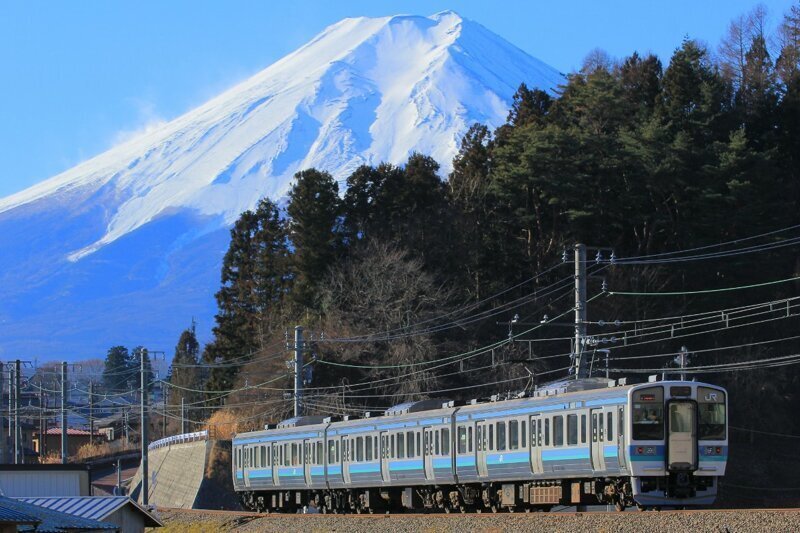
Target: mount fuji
point(125, 248)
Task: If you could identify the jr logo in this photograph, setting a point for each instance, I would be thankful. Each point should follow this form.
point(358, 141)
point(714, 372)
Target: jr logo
point(711, 397)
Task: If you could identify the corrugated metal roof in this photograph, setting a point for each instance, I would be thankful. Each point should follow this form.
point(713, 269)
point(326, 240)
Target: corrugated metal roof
point(92, 507)
point(8, 515)
point(53, 521)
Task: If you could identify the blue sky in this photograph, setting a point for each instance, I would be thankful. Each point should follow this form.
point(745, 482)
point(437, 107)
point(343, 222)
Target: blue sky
point(78, 77)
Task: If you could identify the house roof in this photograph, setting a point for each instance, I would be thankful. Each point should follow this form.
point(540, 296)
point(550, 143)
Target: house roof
point(71, 432)
point(93, 507)
point(51, 521)
point(12, 516)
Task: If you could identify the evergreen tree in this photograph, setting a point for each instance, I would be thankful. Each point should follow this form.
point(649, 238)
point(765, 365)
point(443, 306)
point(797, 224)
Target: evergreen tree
point(185, 374)
point(314, 210)
point(117, 370)
point(256, 275)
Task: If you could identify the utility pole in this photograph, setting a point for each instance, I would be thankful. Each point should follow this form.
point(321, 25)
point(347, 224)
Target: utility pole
point(298, 370)
point(42, 423)
point(143, 427)
point(164, 410)
point(3, 440)
point(91, 412)
point(10, 402)
point(64, 412)
point(183, 416)
point(580, 311)
point(17, 431)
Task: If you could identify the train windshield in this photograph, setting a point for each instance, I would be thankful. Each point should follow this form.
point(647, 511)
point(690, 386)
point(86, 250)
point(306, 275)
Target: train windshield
point(711, 407)
point(648, 414)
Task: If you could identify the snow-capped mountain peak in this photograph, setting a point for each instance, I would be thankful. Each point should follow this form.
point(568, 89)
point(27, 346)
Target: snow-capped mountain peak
point(363, 91)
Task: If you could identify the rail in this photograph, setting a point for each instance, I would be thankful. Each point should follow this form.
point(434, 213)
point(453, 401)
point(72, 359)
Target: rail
point(178, 439)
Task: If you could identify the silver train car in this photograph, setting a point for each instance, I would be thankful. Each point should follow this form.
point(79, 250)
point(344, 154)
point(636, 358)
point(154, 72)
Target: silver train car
point(576, 443)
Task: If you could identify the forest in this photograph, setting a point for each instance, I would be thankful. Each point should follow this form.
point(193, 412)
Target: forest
point(681, 177)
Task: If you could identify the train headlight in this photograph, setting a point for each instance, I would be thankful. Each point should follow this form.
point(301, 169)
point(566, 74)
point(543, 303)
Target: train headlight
point(719, 450)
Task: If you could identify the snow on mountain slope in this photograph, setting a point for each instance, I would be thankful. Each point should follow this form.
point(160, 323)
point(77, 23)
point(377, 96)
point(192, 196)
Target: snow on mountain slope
point(363, 91)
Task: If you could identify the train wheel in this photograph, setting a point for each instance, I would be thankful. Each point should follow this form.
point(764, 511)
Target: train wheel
point(619, 505)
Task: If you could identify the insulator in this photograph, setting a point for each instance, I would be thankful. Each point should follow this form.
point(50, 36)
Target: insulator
point(613, 258)
point(599, 257)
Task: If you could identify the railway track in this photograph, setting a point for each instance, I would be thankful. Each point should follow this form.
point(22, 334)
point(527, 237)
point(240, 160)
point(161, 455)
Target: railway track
point(716, 520)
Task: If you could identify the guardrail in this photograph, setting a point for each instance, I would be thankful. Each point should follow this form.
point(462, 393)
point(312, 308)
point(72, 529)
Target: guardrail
point(178, 439)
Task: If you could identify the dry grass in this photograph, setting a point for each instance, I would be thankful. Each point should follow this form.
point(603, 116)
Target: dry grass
point(222, 425)
point(51, 458)
point(104, 449)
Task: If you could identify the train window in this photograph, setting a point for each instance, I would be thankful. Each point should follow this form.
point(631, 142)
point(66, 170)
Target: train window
point(491, 436)
point(401, 449)
point(391, 447)
point(238, 458)
point(711, 420)
point(375, 442)
point(320, 455)
point(533, 433)
point(513, 435)
point(523, 435)
point(572, 430)
point(648, 414)
point(295, 454)
point(445, 441)
point(368, 449)
point(286, 456)
point(539, 432)
point(410, 443)
point(331, 452)
point(583, 429)
point(263, 462)
point(419, 446)
point(480, 434)
point(338, 458)
point(501, 436)
point(461, 437)
point(558, 430)
point(359, 448)
point(620, 421)
point(436, 442)
point(547, 432)
point(469, 439)
point(610, 426)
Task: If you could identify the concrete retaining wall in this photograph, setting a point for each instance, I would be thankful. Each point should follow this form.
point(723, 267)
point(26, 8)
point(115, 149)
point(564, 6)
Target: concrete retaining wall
point(187, 476)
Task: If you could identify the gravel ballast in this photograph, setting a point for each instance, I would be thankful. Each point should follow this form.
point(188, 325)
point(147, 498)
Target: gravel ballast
point(651, 521)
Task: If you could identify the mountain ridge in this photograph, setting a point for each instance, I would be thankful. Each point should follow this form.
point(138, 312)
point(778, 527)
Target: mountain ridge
point(363, 91)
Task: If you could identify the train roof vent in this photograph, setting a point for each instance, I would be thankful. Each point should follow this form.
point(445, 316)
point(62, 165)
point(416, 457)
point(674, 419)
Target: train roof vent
point(350, 417)
point(329, 419)
point(414, 407)
point(301, 421)
point(270, 426)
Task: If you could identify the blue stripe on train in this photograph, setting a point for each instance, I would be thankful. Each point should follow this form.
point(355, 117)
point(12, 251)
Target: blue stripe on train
point(610, 451)
point(508, 457)
point(365, 468)
point(568, 454)
point(465, 460)
point(414, 464)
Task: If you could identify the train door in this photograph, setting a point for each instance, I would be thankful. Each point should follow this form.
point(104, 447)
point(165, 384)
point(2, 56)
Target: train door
point(536, 445)
point(346, 457)
point(428, 438)
point(682, 436)
point(598, 438)
point(307, 460)
point(240, 464)
point(276, 463)
point(621, 438)
point(481, 432)
point(247, 455)
point(385, 457)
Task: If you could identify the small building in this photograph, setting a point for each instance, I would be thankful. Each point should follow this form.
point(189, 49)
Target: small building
point(50, 521)
point(121, 511)
point(35, 480)
point(76, 438)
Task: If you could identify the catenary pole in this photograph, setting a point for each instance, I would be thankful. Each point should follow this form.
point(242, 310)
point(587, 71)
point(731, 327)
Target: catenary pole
point(298, 370)
point(580, 311)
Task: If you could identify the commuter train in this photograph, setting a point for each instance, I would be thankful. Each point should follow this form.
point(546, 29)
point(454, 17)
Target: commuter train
point(574, 443)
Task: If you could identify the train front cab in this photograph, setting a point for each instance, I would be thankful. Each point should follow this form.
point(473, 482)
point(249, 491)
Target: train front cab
point(678, 443)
